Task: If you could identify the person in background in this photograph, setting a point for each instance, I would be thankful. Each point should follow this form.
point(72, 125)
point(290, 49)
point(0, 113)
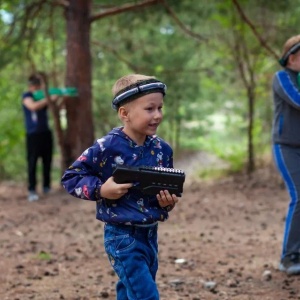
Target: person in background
point(39, 141)
point(131, 218)
point(286, 148)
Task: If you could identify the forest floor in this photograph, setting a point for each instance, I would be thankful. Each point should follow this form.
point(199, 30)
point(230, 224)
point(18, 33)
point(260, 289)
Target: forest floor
point(221, 242)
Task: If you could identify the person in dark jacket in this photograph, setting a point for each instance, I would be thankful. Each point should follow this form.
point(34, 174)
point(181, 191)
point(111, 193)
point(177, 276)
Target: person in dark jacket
point(39, 143)
point(131, 217)
point(286, 148)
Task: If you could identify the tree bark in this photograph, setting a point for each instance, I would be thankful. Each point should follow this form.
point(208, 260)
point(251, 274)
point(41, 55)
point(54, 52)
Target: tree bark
point(79, 133)
point(251, 100)
point(80, 129)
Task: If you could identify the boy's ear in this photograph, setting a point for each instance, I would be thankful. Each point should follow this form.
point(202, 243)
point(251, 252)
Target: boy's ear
point(290, 59)
point(123, 113)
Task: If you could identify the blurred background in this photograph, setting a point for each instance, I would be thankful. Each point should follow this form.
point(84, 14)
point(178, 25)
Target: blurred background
point(217, 58)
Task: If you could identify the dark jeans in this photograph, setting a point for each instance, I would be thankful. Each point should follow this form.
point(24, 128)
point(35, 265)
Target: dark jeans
point(132, 252)
point(39, 145)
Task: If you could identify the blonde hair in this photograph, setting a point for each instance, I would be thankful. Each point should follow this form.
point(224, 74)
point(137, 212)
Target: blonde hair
point(128, 80)
point(290, 43)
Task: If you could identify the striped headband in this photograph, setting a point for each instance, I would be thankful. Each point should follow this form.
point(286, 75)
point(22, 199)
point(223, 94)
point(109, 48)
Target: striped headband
point(137, 90)
point(293, 50)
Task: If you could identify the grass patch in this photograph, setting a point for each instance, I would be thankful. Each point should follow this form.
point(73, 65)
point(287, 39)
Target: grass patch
point(42, 255)
point(213, 173)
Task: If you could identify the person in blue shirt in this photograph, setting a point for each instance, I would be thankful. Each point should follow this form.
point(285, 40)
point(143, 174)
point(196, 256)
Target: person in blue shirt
point(39, 142)
point(131, 218)
point(286, 148)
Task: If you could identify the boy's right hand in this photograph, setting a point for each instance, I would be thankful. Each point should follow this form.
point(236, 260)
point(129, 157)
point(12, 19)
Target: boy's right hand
point(112, 190)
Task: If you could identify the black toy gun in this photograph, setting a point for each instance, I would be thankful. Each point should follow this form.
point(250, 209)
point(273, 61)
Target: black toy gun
point(151, 180)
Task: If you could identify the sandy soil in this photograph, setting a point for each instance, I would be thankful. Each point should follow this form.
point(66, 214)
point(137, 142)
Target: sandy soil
point(222, 241)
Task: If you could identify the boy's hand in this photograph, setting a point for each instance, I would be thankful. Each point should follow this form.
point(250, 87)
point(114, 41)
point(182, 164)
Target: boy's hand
point(112, 190)
point(166, 199)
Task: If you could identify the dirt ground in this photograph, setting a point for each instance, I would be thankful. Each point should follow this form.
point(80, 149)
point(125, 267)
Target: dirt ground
point(222, 241)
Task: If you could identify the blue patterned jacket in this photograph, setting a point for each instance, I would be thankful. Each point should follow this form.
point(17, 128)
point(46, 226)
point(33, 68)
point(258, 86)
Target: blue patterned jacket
point(83, 179)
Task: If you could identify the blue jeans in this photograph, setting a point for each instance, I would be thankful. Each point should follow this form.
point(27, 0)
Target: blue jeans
point(132, 252)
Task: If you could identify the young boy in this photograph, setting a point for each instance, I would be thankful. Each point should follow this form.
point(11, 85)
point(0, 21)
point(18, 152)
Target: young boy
point(38, 137)
point(131, 218)
point(286, 148)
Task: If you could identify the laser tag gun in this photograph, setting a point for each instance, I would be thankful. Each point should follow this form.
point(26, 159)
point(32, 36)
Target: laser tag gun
point(151, 180)
point(67, 91)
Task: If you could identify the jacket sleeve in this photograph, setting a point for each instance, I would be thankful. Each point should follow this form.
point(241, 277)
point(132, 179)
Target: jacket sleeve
point(169, 163)
point(284, 87)
point(83, 178)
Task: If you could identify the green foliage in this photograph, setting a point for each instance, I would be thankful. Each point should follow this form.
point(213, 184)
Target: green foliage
point(213, 173)
point(228, 146)
point(206, 107)
point(12, 129)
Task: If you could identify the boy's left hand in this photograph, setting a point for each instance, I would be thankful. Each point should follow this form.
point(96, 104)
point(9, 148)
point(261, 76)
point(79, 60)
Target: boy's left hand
point(166, 199)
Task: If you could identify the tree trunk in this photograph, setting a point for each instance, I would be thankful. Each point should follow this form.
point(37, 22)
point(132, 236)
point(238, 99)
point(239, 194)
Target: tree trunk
point(80, 129)
point(251, 160)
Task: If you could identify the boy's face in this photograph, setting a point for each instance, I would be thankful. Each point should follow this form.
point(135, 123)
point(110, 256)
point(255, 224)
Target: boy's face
point(33, 87)
point(142, 116)
point(294, 61)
